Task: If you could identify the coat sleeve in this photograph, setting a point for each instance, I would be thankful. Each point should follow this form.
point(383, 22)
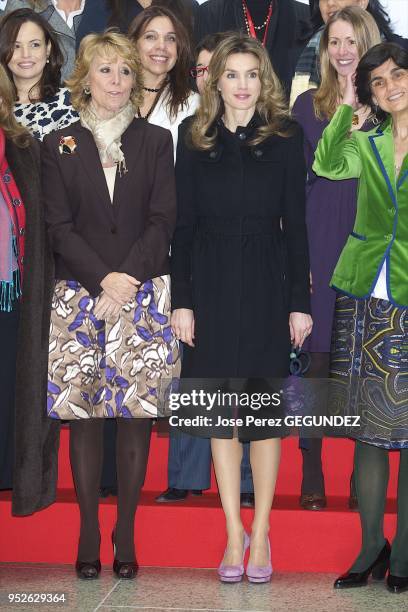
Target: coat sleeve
point(182, 245)
point(150, 251)
point(86, 266)
point(337, 155)
point(294, 226)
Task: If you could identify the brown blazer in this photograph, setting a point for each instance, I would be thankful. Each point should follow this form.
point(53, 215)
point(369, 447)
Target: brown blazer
point(91, 236)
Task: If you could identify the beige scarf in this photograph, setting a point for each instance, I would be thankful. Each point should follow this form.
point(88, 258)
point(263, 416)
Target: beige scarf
point(107, 133)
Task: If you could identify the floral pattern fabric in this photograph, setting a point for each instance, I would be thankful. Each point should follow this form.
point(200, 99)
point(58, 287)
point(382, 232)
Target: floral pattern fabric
point(124, 366)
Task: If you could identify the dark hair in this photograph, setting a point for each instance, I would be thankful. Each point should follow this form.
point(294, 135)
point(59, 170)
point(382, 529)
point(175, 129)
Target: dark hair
point(179, 86)
point(182, 9)
point(11, 23)
point(210, 42)
point(375, 9)
point(375, 57)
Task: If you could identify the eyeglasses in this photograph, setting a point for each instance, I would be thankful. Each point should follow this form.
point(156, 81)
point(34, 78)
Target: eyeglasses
point(198, 71)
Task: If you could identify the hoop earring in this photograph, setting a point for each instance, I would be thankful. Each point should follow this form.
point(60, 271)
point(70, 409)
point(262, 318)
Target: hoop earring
point(87, 91)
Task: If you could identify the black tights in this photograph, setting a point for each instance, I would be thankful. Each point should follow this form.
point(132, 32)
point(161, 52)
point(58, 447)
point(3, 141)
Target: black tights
point(371, 473)
point(313, 479)
point(86, 454)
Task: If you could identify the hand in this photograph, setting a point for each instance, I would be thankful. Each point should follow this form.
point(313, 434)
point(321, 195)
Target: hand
point(182, 324)
point(300, 326)
point(106, 307)
point(120, 287)
point(350, 93)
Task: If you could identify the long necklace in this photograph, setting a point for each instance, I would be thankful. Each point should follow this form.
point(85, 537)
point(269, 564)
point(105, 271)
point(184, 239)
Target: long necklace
point(251, 28)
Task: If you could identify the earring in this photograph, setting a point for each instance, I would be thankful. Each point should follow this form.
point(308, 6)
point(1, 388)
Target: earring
point(48, 60)
point(87, 91)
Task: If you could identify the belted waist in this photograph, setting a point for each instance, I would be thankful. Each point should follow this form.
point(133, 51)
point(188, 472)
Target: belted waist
point(238, 226)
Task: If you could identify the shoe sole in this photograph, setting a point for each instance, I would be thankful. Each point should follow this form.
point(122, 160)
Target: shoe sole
point(350, 586)
point(259, 580)
point(231, 579)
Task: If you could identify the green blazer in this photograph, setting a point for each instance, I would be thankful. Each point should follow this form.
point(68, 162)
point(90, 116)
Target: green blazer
point(381, 225)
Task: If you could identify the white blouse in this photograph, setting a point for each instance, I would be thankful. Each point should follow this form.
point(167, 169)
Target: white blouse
point(160, 116)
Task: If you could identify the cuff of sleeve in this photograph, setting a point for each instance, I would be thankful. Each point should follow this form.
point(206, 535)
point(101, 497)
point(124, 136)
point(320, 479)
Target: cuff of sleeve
point(181, 296)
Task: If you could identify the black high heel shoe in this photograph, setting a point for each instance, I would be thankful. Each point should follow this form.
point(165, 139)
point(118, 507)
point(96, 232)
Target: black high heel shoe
point(397, 584)
point(377, 569)
point(87, 570)
point(123, 569)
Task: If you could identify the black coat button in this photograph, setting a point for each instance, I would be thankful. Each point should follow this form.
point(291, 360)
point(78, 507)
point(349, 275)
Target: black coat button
point(16, 202)
point(213, 154)
point(258, 153)
point(242, 136)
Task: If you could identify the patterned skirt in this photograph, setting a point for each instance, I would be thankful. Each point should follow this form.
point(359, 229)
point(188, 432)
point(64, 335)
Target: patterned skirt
point(120, 367)
point(369, 369)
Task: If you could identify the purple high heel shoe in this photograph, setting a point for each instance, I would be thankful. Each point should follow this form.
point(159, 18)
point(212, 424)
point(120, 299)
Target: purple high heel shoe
point(234, 573)
point(263, 573)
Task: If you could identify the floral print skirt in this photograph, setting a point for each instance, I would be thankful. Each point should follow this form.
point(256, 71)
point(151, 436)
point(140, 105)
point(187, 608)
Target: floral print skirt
point(124, 366)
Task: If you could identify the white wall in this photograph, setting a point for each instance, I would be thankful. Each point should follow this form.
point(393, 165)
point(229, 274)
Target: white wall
point(398, 12)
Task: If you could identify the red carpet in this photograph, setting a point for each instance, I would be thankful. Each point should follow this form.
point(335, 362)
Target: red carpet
point(191, 533)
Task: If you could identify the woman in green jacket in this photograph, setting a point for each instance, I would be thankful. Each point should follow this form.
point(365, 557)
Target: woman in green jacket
point(370, 337)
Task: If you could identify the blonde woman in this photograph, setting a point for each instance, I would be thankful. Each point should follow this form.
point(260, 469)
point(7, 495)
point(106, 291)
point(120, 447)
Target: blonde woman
point(330, 206)
point(240, 272)
point(109, 194)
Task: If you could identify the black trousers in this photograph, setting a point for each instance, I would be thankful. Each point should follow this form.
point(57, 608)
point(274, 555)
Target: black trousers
point(8, 356)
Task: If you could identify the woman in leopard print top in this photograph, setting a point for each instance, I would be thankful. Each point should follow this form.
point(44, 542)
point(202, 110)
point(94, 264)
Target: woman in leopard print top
point(32, 58)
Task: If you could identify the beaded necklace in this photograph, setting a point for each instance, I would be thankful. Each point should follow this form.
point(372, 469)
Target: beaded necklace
point(251, 28)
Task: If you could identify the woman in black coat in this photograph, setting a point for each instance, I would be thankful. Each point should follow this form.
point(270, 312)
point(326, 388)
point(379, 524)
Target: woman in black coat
point(240, 274)
point(25, 290)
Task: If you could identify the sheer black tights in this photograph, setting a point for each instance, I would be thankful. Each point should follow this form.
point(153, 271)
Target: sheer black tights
point(86, 454)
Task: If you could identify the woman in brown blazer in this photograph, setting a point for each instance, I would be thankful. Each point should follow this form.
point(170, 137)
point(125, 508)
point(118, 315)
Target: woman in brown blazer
point(110, 203)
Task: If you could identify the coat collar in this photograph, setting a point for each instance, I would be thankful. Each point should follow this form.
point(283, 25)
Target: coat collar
point(89, 155)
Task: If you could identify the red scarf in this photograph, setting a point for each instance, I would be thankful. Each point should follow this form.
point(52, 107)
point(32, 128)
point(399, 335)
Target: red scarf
point(15, 206)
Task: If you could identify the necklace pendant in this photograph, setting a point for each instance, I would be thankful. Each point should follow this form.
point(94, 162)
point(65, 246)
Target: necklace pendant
point(355, 119)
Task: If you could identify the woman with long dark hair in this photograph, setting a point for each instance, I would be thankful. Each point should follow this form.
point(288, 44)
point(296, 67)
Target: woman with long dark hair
point(30, 53)
point(370, 339)
point(101, 14)
point(64, 18)
point(165, 55)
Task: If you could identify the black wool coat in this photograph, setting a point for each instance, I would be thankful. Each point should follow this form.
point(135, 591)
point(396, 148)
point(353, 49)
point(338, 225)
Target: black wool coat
point(37, 437)
point(239, 254)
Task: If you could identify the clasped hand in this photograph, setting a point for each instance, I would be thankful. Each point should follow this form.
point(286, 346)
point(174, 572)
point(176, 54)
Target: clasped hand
point(182, 324)
point(300, 326)
point(118, 289)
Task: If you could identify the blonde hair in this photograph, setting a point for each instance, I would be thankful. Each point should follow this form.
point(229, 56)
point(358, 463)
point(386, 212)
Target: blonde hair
point(366, 34)
point(106, 44)
point(15, 132)
point(271, 104)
